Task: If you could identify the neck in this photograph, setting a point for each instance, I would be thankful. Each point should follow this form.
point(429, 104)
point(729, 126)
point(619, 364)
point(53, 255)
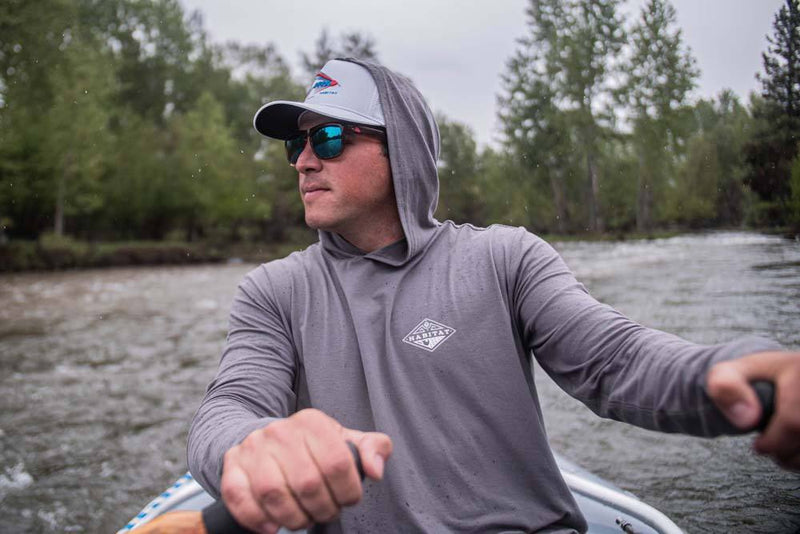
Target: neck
point(379, 236)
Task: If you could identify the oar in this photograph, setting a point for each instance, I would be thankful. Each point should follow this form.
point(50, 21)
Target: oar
point(214, 518)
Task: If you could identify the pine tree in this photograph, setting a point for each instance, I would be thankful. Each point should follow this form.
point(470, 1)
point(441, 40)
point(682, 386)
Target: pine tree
point(773, 146)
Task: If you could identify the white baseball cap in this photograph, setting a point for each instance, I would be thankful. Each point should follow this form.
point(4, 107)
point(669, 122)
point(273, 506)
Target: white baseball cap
point(342, 90)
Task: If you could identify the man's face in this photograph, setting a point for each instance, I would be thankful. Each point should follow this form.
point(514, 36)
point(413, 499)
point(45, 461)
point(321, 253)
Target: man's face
point(350, 194)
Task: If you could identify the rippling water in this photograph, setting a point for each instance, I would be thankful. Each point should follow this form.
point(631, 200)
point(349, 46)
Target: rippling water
point(101, 371)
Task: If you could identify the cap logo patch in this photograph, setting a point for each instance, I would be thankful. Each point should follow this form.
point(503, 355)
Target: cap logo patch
point(429, 335)
point(322, 85)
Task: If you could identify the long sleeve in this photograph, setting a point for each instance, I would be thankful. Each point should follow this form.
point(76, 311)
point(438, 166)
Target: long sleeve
point(618, 368)
point(254, 382)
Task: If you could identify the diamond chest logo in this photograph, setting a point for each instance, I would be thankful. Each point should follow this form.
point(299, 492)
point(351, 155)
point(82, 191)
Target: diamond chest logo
point(429, 335)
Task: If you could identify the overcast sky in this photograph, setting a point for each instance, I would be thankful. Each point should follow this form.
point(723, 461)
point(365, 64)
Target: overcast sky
point(456, 50)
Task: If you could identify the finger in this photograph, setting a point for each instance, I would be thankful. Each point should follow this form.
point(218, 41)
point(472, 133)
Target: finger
point(308, 485)
point(335, 462)
point(271, 487)
point(781, 438)
point(240, 501)
point(727, 385)
point(374, 448)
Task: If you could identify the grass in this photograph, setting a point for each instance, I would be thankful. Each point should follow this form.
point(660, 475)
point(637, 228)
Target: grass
point(57, 253)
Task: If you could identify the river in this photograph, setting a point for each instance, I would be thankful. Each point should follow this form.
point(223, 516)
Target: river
point(101, 371)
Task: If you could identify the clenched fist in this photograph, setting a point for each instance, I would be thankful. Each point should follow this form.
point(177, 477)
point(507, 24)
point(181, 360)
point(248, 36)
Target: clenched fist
point(298, 471)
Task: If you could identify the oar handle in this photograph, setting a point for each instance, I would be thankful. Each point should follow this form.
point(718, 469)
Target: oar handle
point(217, 519)
point(765, 391)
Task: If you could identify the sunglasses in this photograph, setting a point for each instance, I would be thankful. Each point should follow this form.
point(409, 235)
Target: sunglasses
point(327, 140)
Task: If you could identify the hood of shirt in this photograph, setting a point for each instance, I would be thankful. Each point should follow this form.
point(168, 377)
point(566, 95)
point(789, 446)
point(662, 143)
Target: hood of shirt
point(413, 141)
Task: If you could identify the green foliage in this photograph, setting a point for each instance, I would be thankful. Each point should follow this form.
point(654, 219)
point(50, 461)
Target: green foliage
point(592, 35)
point(661, 74)
point(557, 112)
point(460, 179)
point(619, 168)
point(76, 134)
point(692, 195)
point(707, 188)
point(793, 202)
point(535, 128)
point(773, 145)
point(120, 120)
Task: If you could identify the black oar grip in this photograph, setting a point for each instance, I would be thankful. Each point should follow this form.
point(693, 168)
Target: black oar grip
point(218, 520)
point(357, 459)
point(765, 391)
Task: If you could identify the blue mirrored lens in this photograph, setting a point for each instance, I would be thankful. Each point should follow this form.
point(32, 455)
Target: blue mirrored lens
point(328, 141)
point(294, 147)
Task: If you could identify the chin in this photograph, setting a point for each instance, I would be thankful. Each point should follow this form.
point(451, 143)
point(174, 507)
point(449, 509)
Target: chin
point(318, 224)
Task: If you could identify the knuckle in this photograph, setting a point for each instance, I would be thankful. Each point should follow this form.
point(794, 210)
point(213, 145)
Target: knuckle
point(233, 494)
point(279, 431)
point(338, 467)
point(308, 487)
point(270, 494)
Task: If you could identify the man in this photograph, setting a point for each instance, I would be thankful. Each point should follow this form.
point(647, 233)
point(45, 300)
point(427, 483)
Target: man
point(412, 338)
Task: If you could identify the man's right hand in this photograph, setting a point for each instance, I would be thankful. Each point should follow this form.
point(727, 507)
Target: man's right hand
point(298, 471)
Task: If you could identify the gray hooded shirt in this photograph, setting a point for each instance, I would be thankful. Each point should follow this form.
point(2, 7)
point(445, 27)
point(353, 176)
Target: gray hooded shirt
point(430, 340)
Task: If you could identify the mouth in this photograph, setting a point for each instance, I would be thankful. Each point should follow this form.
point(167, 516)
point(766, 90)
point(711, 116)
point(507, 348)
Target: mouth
point(312, 191)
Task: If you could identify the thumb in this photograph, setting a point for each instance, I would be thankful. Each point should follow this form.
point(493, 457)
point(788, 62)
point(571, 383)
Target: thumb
point(730, 391)
point(374, 448)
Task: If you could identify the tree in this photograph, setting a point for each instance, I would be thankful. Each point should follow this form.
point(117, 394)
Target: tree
point(32, 37)
point(535, 129)
point(153, 45)
point(459, 178)
point(729, 132)
point(77, 133)
point(209, 173)
point(593, 37)
point(661, 73)
point(352, 44)
point(793, 204)
point(557, 108)
point(773, 146)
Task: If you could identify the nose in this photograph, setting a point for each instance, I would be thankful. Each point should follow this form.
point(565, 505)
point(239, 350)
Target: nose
point(308, 161)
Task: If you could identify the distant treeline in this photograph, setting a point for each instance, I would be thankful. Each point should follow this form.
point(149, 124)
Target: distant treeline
point(120, 120)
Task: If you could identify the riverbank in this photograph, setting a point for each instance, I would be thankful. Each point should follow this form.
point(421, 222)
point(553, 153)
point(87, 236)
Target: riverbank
point(52, 254)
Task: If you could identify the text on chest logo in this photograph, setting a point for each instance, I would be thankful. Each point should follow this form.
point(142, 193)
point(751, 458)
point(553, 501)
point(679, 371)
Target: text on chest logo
point(429, 334)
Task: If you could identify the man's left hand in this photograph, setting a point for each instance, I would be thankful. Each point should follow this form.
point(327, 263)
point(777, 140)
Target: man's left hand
point(728, 385)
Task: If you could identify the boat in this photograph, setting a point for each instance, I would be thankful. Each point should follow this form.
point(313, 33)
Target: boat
point(607, 508)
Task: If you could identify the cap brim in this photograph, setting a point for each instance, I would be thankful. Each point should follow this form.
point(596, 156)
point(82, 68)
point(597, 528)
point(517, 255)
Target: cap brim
point(279, 119)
